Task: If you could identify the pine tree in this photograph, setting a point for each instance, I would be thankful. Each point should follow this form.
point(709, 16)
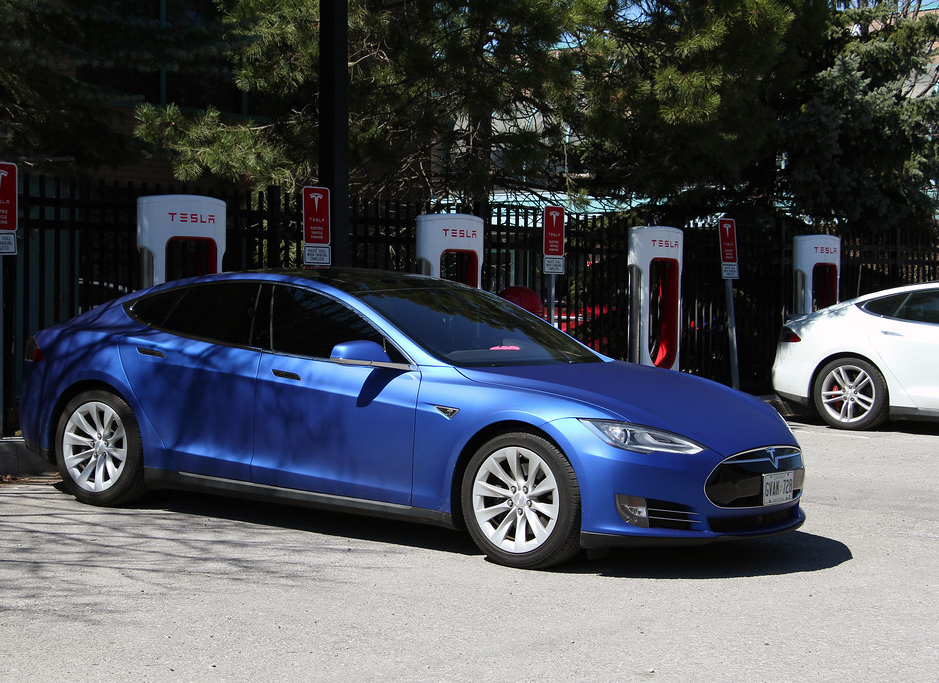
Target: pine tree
point(860, 152)
point(448, 99)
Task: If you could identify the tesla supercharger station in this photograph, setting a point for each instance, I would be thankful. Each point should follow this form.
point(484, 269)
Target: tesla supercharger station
point(816, 266)
point(451, 239)
point(655, 261)
point(179, 235)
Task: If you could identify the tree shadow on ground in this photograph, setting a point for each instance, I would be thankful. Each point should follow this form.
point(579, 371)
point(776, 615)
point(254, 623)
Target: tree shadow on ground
point(785, 554)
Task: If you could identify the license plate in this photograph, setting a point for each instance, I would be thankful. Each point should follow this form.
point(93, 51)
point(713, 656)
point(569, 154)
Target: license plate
point(777, 487)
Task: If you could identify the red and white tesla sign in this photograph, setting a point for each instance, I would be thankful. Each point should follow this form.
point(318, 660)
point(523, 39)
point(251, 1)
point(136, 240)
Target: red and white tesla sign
point(728, 230)
point(316, 215)
point(316, 237)
point(8, 193)
point(7, 196)
point(554, 231)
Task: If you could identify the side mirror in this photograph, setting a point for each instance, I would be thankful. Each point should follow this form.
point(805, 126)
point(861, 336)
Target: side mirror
point(362, 352)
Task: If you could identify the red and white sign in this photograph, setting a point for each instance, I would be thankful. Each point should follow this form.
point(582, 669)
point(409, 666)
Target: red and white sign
point(316, 215)
point(8, 195)
point(727, 228)
point(554, 231)
point(8, 192)
point(728, 231)
point(316, 237)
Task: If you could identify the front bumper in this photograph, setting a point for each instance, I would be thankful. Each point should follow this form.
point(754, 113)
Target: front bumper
point(686, 499)
point(592, 540)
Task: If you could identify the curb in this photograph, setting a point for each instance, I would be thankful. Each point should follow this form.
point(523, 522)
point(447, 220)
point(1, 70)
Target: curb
point(17, 461)
point(781, 406)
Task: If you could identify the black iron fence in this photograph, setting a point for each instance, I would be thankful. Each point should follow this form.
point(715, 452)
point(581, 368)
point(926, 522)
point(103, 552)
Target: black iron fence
point(77, 249)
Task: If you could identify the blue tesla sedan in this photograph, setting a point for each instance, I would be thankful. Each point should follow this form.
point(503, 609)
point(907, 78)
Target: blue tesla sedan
point(402, 396)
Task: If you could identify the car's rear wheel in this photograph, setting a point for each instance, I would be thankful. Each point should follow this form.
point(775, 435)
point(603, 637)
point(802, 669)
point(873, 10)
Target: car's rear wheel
point(521, 502)
point(850, 393)
point(99, 451)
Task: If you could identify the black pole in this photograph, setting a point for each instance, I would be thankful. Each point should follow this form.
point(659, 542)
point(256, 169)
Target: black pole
point(334, 121)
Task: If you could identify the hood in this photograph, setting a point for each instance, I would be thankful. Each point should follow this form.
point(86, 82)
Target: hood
point(712, 414)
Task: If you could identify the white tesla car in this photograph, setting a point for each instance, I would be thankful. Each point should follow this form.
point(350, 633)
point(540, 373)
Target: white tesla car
point(864, 360)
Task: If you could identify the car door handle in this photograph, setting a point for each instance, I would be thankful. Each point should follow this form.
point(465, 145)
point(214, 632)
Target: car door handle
point(150, 352)
point(891, 333)
point(284, 374)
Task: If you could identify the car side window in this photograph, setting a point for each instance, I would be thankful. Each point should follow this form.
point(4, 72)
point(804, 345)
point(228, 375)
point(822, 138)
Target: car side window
point(222, 312)
point(920, 307)
point(307, 323)
point(153, 310)
point(886, 306)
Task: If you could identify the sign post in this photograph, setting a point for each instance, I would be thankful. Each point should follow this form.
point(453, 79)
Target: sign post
point(730, 271)
point(553, 251)
point(316, 229)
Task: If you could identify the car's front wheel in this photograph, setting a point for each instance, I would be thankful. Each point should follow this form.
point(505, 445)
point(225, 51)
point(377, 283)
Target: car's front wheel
point(850, 393)
point(98, 449)
point(521, 502)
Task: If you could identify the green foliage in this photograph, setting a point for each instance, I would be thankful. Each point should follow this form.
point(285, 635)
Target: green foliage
point(860, 151)
point(447, 99)
point(678, 96)
point(769, 110)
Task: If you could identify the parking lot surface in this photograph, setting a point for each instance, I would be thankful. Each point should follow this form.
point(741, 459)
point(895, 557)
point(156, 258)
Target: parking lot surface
point(186, 587)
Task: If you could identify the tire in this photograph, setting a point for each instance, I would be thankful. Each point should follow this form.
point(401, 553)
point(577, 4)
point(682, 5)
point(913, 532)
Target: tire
point(99, 451)
point(850, 393)
point(521, 502)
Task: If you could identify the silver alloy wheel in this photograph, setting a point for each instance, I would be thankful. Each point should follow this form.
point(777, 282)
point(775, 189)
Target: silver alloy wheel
point(848, 393)
point(94, 446)
point(515, 499)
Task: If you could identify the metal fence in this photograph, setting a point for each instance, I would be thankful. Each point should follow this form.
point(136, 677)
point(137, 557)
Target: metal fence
point(77, 249)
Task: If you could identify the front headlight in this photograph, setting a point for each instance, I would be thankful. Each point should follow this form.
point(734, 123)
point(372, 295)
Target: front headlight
point(632, 437)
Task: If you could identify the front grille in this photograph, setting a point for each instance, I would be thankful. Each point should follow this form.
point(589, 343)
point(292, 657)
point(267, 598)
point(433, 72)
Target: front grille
point(738, 481)
point(752, 523)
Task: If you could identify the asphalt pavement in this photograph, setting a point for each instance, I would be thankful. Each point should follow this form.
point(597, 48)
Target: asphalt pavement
point(184, 587)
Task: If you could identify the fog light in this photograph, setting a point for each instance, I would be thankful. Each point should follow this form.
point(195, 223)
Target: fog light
point(633, 510)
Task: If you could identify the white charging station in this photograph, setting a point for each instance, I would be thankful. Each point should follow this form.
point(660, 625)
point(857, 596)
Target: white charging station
point(655, 263)
point(816, 271)
point(451, 243)
point(179, 235)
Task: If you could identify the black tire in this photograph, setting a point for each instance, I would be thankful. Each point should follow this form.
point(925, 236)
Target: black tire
point(521, 502)
point(850, 393)
point(99, 451)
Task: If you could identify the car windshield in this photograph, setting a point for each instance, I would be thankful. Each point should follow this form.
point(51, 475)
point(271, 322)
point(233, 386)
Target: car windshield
point(469, 327)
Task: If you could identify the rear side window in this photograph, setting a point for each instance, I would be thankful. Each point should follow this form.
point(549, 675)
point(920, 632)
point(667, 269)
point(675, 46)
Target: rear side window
point(886, 306)
point(922, 306)
point(221, 312)
point(154, 310)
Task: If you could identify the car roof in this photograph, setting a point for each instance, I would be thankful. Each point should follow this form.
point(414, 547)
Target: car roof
point(892, 290)
point(354, 282)
point(361, 280)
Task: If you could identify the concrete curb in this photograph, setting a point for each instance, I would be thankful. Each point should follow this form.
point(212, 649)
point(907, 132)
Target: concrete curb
point(781, 406)
point(17, 461)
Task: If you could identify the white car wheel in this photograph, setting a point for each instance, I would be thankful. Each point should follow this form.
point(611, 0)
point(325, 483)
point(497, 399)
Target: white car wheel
point(850, 393)
point(98, 449)
point(521, 502)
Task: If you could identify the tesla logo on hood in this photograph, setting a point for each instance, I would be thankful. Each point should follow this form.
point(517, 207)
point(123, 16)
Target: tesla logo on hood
point(771, 454)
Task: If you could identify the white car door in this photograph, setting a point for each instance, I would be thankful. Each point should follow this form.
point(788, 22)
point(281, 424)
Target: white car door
point(909, 343)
